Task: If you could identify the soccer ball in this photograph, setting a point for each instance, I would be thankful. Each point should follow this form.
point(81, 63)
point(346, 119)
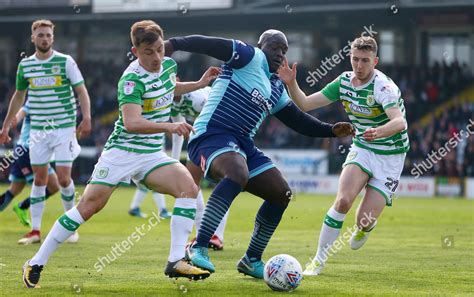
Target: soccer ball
point(283, 273)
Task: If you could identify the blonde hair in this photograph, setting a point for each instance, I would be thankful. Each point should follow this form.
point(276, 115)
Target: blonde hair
point(145, 32)
point(41, 23)
point(365, 43)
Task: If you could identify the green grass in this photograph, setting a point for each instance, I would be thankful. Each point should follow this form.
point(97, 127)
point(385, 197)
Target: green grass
point(404, 255)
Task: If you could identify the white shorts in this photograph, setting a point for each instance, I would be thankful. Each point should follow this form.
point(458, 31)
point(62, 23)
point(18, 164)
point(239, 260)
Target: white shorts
point(384, 170)
point(116, 167)
point(60, 143)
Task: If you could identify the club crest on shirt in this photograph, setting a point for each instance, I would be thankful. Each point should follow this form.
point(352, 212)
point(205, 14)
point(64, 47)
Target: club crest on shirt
point(56, 69)
point(173, 78)
point(128, 87)
point(370, 100)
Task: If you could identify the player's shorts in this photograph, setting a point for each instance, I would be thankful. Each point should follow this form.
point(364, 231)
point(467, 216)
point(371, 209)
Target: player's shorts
point(384, 170)
point(20, 170)
point(62, 143)
point(205, 148)
point(119, 167)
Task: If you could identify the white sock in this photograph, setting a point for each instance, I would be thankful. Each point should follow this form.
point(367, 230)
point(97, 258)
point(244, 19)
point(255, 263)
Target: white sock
point(199, 210)
point(62, 229)
point(221, 228)
point(37, 198)
point(137, 200)
point(181, 226)
point(329, 232)
point(159, 200)
point(67, 196)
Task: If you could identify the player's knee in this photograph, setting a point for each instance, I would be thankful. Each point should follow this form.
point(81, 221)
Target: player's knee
point(187, 190)
point(238, 175)
point(64, 181)
point(343, 204)
point(285, 195)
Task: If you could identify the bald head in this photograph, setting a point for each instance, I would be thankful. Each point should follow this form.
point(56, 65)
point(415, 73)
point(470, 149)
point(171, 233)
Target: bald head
point(270, 35)
point(274, 45)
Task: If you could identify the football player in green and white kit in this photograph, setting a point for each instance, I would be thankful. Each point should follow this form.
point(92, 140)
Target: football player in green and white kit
point(375, 161)
point(134, 152)
point(50, 78)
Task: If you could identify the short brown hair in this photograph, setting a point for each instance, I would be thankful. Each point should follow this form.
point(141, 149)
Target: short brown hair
point(365, 43)
point(41, 23)
point(145, 32)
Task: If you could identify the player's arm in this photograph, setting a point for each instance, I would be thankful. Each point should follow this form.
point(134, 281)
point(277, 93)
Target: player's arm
point(396, 124)
point(306, 103)
point(84, 127)
point(20, 115)
point(177, 140)
point(135, 123)
point(190, 86)
point(219, 48)
point(16, 103)
point(307, 125)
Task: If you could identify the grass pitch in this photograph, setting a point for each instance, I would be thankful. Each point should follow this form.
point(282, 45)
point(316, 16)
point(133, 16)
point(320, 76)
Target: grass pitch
point(420, 247)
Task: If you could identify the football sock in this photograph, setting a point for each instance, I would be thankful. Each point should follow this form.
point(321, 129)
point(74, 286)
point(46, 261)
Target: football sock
point(37, 198)
point(5, 199)
point(137, 200)
point(268, 217)
point(25, 204)
point(181, 226)
point(219, 202)
point(159, 201)
point(67, 196)
point(62, 229)
point(329, 232)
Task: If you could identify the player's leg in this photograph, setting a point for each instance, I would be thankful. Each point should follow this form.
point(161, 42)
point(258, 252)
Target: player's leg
point(66, 185)
point(14, 190)
point(140, 195)
point(37, 200)
point(369, 210)
point(175, 179)
point(94, 199)
point(352, 180)
point(270, 185)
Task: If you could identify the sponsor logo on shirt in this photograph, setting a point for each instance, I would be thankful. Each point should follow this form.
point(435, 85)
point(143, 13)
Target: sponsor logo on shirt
point(359, 109)
point(45, 82)
point(261, 101)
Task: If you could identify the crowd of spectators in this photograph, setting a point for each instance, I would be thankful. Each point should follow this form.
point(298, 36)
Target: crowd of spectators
point(423, 89)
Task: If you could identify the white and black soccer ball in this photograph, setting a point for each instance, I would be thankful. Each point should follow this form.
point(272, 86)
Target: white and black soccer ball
point(283, 273)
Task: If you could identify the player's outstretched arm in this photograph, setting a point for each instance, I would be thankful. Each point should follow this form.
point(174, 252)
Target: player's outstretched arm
point(308, 125)
point(219, 48)
point(396, 124)
point(135, 123)
point(306, 103)
point(16, 103)
point(190, 86)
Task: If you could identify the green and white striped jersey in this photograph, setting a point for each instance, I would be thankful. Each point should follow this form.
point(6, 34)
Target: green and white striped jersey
point(154, 92)
point(365, 105)
point(50, 94)
point(191, 104)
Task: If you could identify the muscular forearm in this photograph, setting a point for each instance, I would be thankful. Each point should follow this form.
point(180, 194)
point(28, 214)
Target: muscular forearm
point(85, 105)
point(392, 127)
point(298, 96)
point(141, 125)
point(187, 87)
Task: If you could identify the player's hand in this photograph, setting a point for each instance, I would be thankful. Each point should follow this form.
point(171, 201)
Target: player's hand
point(287, 74)
point(370, 134)
point(182, 129)
point(343, 129)
point(210, 74)
point(84, 128)
point(4, 138)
